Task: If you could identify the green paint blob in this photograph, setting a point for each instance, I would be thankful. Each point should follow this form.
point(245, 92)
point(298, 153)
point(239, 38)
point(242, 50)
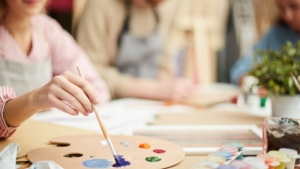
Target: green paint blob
point(152, 159)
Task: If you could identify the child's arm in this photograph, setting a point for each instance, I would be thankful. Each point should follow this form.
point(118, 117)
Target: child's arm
point(67, 92)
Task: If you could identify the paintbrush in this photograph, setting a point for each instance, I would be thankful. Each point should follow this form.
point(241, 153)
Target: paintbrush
point(120, 161)
point(295, 81)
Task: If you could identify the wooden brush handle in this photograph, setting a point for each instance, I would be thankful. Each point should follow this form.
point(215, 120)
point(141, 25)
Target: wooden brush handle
point(25, 166)
point(103, 128)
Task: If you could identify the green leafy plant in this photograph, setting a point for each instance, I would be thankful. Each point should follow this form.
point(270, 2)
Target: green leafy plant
point(273, 68)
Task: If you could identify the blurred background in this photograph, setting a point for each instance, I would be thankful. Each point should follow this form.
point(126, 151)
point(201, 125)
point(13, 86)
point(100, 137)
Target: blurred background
point(208, 35)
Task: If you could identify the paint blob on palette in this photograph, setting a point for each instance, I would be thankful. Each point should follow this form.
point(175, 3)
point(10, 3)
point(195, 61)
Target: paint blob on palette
point(120, 161)
point(88, 153)
point(144, 145)
point(104, 163)
point(159, 151)
point(124, 143)
point(96, 163)
point(153, 159)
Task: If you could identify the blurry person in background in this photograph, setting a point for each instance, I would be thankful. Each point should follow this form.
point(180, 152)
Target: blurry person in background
point(286, 29)
point(124, 41)
point(38, 62)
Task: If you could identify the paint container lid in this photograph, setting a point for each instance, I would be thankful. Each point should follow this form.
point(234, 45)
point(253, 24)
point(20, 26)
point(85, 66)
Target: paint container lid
point(280, 156)
point(231, 149)
point(227, 167)
point(290, 152)
point(256, 162)
point(269, 160)
point(218, 159)
point(226, 155)
point(241, 164)
point(240, 146)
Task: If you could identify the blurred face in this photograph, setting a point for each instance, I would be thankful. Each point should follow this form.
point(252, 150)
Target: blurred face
point(27, 8)
point(146, 3)
point(290, 12)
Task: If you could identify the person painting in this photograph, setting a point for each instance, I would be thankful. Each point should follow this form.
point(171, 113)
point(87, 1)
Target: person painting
point(286, 29)
point(37, 62)
point(124, 40)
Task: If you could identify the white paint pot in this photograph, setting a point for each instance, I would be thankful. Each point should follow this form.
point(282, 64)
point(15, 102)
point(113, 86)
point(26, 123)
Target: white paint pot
point(286, 106)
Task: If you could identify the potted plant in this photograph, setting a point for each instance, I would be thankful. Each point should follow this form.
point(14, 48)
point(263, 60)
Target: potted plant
point(273, 71)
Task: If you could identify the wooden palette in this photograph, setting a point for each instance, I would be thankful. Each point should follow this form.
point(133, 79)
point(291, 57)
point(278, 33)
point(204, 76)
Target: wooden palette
point(91, 147)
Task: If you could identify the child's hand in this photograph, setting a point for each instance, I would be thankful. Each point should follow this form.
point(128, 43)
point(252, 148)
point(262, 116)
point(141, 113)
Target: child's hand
point(176, 89)
point(67, 92)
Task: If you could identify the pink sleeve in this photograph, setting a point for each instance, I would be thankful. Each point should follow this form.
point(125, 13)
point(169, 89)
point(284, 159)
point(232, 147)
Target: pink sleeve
point(6, 93)
point(67, 55)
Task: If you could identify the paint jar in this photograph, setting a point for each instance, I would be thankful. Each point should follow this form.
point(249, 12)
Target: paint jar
point(218, 159)
point(227, 167)
point(256, 163)
point(292, 155)
point(281, 157)
point(269, 160)
point(241, 164)
point(206, 164)
point(226, 155)
point(240, 147)
point(281, 132)
point(263, 101)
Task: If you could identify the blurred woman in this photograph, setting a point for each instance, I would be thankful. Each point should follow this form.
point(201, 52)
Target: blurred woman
point(36, 60)
point(287, 29)
point(123, 38)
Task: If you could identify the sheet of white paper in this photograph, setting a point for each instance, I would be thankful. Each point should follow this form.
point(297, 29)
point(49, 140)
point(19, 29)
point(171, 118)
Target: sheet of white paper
point(118, 115)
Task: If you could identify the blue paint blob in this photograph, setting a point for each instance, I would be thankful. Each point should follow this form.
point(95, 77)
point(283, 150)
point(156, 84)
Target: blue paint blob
point(96, 163)
point(120, 161)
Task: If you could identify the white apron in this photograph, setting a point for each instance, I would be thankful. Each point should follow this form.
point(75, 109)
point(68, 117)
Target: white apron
point(24, 77)
point(139, 57)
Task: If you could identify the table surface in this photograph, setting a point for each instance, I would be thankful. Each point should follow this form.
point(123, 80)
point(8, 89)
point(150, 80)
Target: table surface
point(123, 115)
point(126, 114)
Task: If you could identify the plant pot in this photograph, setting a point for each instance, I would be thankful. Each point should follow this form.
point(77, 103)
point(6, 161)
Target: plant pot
point(286, 106)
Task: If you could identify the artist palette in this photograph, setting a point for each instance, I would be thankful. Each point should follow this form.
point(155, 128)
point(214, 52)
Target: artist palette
point(74, 151)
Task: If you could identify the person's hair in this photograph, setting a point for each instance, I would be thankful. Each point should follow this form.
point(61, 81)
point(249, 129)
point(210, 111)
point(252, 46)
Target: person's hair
point(3, 8)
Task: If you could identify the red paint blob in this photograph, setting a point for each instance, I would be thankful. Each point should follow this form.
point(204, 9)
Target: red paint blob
point(159, 151)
